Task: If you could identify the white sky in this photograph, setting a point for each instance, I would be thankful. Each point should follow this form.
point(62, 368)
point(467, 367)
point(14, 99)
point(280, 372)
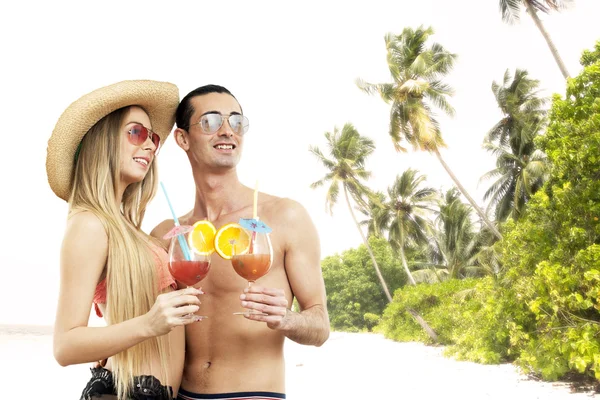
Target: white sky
point(292, 67)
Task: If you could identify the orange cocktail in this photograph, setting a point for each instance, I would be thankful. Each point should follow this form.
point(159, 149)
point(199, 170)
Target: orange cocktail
point(251, 266)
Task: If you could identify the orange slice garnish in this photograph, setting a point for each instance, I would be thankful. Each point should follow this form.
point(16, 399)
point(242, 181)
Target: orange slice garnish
point(202, 237)
point(232, 239)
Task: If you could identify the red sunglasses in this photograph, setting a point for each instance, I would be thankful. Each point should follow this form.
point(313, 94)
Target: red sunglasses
point(138, 134)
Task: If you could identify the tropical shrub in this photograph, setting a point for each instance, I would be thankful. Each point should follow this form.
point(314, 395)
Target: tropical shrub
point(553, 255)
point(353, 288)
point(543, 311)
point(440, 304)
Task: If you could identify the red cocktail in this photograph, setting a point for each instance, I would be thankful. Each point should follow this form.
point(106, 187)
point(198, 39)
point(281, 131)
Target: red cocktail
point(189, 272)
point(189, 262)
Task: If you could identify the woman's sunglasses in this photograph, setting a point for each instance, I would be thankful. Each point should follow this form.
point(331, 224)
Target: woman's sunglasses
point(138, 134)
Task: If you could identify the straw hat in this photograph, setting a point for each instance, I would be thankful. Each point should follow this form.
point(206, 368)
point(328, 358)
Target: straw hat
point(158, 99)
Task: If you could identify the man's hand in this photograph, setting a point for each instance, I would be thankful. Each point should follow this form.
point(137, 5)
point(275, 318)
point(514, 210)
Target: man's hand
point(270, 302)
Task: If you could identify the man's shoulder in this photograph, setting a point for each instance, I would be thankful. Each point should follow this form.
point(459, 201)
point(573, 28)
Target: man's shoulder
point(286, 209)
point(165, 226)
point(162, 228)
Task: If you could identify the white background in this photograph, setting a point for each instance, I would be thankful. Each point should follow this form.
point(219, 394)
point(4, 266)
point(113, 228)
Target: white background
point(292, 66)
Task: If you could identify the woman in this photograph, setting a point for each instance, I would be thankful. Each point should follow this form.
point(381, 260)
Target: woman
point(101, 159)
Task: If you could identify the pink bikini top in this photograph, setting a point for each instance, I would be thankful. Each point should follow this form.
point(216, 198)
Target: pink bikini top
point(164, 276)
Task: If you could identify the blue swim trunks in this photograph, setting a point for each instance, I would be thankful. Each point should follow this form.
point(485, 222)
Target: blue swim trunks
point(185, 395)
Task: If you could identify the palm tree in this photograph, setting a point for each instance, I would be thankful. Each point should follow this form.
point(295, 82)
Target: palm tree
point(348, 151)
point(457, 242)
point(455, 246)
point(522, 109)
point(521, 169)
point(511, 10)
point(402, 214)
point(346, 167)
point(378, 220)
point(519, 176)
point(407, 210)
point(417, 70)
point(489, 257)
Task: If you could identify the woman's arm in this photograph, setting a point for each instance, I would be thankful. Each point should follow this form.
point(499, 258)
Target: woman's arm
point(83, 258)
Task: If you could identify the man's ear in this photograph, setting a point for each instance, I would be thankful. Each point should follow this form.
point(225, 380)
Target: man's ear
point(181, 137)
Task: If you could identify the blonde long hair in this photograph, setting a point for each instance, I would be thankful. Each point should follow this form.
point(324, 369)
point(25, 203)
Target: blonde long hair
point(131, 276)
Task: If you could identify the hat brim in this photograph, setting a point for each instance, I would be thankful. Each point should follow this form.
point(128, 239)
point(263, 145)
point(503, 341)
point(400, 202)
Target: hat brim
point(158, 99)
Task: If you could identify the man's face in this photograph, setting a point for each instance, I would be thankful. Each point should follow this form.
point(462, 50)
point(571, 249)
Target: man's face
point(223, 148)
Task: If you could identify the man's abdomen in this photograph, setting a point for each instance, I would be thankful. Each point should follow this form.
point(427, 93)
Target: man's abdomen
point(246, 356)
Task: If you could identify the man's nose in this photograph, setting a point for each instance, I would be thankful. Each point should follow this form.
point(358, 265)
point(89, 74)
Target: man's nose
point(226, 129)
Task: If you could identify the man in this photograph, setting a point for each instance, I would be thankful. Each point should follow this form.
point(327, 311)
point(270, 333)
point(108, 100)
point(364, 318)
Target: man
point(242, 356)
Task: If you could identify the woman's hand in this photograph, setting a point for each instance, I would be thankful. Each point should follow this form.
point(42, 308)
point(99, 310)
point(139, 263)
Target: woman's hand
point(173, 309)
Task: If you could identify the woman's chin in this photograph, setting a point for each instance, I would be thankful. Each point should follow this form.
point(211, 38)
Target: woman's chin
point(133, 178)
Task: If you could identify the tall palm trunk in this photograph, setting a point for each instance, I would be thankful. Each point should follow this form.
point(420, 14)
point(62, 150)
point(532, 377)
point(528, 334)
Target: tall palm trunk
point(377, 271)
point(460, 187)
point(538, 23)
point(411, 311)
point(423, 324)
point(405, 265)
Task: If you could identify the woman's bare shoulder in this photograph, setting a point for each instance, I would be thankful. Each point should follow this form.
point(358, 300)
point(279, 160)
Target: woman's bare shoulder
point(85, 228)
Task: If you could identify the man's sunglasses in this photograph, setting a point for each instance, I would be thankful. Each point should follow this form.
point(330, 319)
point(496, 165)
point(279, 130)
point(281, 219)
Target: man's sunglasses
point(138, 134)
point(211, 123)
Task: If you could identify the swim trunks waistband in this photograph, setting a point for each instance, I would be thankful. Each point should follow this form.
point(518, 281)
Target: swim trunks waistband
point(185, 395)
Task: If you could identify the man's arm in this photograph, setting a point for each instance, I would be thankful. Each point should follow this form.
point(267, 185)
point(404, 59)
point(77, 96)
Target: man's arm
point(303, 267)
point(160, 230)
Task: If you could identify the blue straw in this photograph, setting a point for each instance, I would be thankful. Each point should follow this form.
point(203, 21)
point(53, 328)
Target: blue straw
point(182, 242)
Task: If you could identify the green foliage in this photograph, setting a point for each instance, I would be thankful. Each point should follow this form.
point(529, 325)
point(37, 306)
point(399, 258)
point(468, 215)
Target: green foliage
point(483, 333)
point(345, 164)
point(456, 243)
point(403, 213)
point(406, 209)
point(511, 9)
point(551, 286)
point(543, 310)
point(371, 320)
point(440, 304)
point(521, 168)
point(417, 67)
point(353, 289)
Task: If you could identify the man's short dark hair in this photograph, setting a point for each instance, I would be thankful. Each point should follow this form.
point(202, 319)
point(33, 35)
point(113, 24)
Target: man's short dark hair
point(185, 110)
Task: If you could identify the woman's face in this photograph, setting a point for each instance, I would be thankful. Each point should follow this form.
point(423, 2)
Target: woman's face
point(136, 159)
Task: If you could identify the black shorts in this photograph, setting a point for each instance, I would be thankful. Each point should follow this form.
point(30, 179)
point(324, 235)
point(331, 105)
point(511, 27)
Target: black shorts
point(145, 387)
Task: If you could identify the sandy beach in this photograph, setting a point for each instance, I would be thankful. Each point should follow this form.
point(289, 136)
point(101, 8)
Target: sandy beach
point(348, 366)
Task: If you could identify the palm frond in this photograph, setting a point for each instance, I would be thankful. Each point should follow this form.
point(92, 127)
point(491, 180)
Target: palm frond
point(332, 196)
point(348, 151)
point(317, 152)
point(511, 10)
point(464, 294)
point(385, 90)
point(417, 68)
point(430, 275)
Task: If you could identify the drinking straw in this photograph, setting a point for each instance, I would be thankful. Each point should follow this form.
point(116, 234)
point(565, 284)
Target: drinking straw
point(182, 242)
point(254, 214)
